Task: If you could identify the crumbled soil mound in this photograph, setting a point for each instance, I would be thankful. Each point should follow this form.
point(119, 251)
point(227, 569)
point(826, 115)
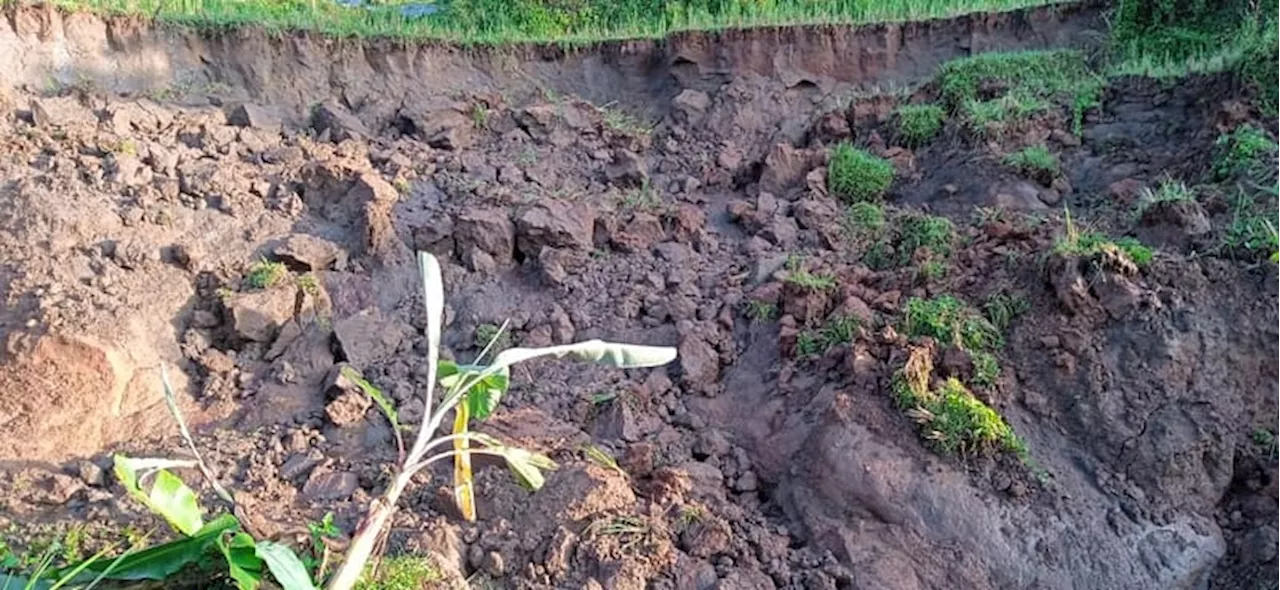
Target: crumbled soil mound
point(257, 254)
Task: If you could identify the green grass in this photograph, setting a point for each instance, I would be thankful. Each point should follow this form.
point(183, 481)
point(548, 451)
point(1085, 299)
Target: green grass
point(1167, 39)
point(491, 333)
point(1253, 226)
point(557, 21)
point(1000, 87)
point(925, 231)
point(932, 270)
point(986, 368)
point(402, 572)
point(864, 218)
point(265, 274)
point(1169, 191)
point(1002, 308)
point(949, 416)
point(1093, 244)
point(1035, 161)
point(800, 276)
point(949, 321)
point(918, 123)
point(962, 424)
point(838, 330)
point(855, 175)
point(1245, 151)
point(761, 311)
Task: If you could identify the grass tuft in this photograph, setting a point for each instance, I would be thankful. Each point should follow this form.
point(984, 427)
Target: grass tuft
point(1244, 151)
point(999, 87)
point(950, 417)
point(1035, 161)
point(950, 321)
point(402, 572)
point(265, 274)
point(925, 231)
point(918, 123)
point(855, 175)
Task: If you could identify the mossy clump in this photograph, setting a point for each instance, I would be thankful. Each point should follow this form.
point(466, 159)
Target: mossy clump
point(856, 175)
point(919, 123)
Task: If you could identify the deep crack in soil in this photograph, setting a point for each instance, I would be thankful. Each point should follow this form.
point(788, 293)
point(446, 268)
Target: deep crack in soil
point(139, 187)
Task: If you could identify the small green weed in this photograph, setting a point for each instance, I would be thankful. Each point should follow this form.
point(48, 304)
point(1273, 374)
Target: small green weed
point(402, 572)
point(925, 231)
point(309, 284)
point(1251, 229)
point(800, 276)
point(986, 368)
point(622, 123)
point(1265, 440)
point(761, 311)
point(642, 198)
point(1243, 151)
point(877, 255)
point(837, 331)
point(950, 321)
point(479, 116)
point(265, 274)
point(855, 175)
point(493, 338)
point(932, 270)
point(1087, 244)
point(918, 123)
point(1169, 191)
point(864, 218)
point(808, 344)
point(1035, 161)
point(1002, 308)
point(1092, 244)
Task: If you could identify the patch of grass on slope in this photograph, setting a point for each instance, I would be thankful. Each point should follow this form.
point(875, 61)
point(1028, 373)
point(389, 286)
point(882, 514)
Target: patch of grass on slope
point(993, 88)
point(558, 21)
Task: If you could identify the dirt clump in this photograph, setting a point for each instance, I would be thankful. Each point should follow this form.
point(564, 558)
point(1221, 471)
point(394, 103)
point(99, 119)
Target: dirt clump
point(263, 258)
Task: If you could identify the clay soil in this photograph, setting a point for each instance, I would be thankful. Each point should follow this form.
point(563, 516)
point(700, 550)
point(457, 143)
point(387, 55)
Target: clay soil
point(130, 218)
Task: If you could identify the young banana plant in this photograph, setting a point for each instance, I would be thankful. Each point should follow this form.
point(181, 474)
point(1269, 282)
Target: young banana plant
point(470, 391)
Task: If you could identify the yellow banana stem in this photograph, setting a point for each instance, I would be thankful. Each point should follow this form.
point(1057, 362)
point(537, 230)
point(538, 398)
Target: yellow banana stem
point(463, 489)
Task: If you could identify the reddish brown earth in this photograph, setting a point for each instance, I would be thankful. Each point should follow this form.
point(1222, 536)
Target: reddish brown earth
point(135, 194)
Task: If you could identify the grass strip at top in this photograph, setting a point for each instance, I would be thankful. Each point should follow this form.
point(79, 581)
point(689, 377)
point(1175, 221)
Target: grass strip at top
point(545, 21)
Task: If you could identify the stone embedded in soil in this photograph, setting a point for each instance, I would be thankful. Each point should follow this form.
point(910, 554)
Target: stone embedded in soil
point(692, 104)
point(128, 170)
point(91, 473)
point(299, 464)
point(694, 574)
point(332, 119)
point(699, 363)
point(304, 253)
point(707, 537)
point(255, 116)
point(61, 111)
point(745, 579)
point(1173, 223)
point(258, 315)
point(786, 165)
point(329, 486)
point(639, 233)
point(368, 337)
point(616, 421)
point(627, 169)
point(485, 230)
point(556, 224)
point(447, 129)
point(348, 408)
point(1117, 294)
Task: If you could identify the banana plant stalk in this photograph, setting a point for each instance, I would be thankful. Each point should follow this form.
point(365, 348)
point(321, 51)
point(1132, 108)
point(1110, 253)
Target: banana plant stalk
point(470, 392)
